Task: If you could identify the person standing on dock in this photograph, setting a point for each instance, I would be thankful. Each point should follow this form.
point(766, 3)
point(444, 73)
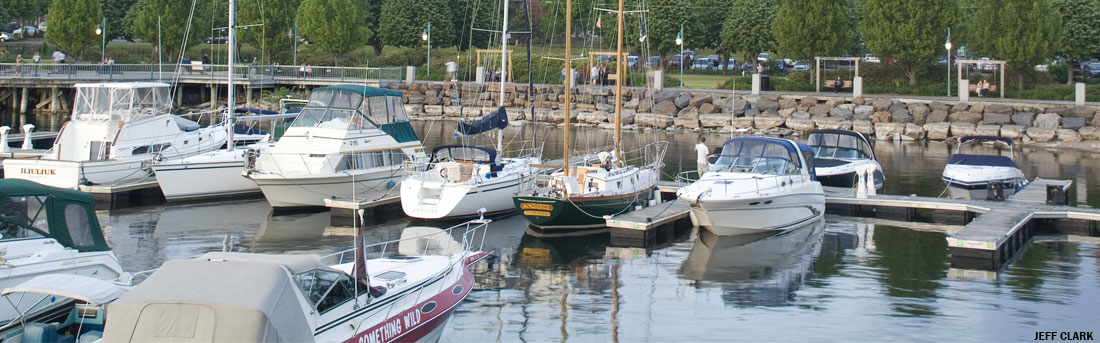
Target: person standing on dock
point(701, 150)
point(452, 69)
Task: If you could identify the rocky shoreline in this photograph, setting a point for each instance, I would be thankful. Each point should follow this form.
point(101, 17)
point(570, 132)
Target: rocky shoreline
point(771, 114)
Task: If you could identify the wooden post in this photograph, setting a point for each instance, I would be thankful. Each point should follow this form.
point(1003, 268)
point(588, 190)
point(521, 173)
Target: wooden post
point(179, 96)
point(213, 96)
point(1002, 82)
point(817, 73)
point(53, 99)
point(23, 99)
point(248, 95)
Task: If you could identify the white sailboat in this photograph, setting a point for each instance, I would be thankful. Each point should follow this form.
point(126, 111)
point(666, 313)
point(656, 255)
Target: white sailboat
point(458, 180)
point(348, 140)
point(116, 130)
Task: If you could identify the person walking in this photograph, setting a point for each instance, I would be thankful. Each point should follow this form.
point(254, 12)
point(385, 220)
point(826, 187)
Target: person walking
point(205, 63)
point(595, 74)
point(452, 69)
point(701, 152)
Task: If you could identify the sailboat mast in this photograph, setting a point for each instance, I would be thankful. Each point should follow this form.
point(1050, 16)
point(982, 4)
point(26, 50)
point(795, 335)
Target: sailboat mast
point(232, 42)
point(503, 71)
point(619, 85)
point(568, 79)
point(530, 81)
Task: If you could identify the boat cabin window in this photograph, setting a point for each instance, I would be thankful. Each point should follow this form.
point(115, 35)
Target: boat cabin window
point(333, 110)
point(76, 221)
point(385, 109)
point(757, 157)
point(120, 104)
point(365, 160)
point(834, 145)
point(327, 289)
point(27, 211)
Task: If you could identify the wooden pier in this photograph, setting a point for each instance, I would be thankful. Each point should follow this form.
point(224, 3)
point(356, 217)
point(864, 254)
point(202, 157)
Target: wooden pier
point(119, 196)
point(994, 232)
point(343, 211)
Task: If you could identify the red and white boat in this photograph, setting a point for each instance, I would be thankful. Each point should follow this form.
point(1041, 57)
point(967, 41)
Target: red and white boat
point(406, 294)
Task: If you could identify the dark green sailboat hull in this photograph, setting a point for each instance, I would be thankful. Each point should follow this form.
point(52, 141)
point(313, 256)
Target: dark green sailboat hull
point(580, 213)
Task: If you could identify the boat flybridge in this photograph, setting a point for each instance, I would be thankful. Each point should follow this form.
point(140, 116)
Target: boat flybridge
point(840, 156)
point(406, 294)
point(116, 130)
point(460, 179)
point(49, 230)
point(347, 141)
point(983, 176)
point(755, 185)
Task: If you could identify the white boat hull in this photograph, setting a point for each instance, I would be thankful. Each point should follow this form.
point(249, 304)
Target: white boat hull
point(28, 258)
point(311, 190)
point(190, 179)
point(738, 217)
point(429, 200)
point(72, 174)
point(972, 182)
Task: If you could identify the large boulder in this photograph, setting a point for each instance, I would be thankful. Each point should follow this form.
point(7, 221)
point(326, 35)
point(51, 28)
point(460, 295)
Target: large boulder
point(863, 112)
point(714, 121)
point(700, 100)
point(880, 117)
point(801, 115)
point(1067, 135)
point(841, 112)
point(1073, 123)
point(765, 104)
point(863, 126)
point(818, 111)
point(666, 107)
point(689, 122)
point(665, 94)
point(788, 103)
point(627, 117)
point(690, 112)
point(653, 120)
point(752, 112)
point(682, 101)
point(936, 116)
point(998, 108)
point(996, 118)
point(889, 131)
point(799, 124)
point(767, 121)
point(1083, 111)
point(1023, 118)
point(1012, 131)
point(739, 106)
point(881, 104)
point(1091, 133)
point(742, 123)
point(977, 108)
point(708, 108)
point(1039, 134)
point(1047, 121)
point(960, 107)
point(937, 131)
point(786, 112)
point(832, 124)
point(965, 117)
point(913, 132)
point(920, 113)
point(961, 129)
point(645, 105)
point(936, 105)
point(987, 130)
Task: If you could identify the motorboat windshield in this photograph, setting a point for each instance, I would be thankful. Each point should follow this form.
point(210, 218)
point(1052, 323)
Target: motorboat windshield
point(840, 144)
point(758, 156)
point(463, 153)
point(123, 102)
point(352, 107)
point(28, 209)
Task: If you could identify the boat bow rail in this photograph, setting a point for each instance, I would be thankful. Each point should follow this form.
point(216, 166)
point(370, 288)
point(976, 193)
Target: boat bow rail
point(760, 183)
point(423, 242)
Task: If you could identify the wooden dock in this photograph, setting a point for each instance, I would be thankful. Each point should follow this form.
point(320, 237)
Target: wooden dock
point(644, 227)
point(119, 196)
point(343, 211)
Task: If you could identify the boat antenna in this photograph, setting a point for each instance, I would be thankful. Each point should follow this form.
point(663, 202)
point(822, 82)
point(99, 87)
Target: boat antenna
point(231, 87)
point(568, 81)
point(503, 71)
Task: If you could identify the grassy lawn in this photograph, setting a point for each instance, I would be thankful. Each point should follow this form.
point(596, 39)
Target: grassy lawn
point(698, 81)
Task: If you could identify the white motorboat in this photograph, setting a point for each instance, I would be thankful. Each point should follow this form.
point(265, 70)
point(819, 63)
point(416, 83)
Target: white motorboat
point(983, 176)
point(239, 297)
point(839, 157)
point(216, 174)
point(350, 141)
point(71, 309)
point(458, 180)
point(48, 230)
point(116, 130)
point(756, 184)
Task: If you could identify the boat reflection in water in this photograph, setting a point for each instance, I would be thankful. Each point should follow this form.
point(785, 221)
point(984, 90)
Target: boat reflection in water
point(756, 270)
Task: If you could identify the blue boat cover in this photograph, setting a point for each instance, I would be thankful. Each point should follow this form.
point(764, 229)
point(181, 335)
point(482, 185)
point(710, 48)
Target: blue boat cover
point(981, 160)
point(248, 130)
point(496, 120)
point(985, 138)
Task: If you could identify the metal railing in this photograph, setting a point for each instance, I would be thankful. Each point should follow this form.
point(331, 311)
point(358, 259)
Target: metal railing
point(470, 237)
point(191, 72)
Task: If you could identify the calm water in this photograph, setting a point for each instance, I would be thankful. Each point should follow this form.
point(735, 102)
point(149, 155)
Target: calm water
point(842, 279)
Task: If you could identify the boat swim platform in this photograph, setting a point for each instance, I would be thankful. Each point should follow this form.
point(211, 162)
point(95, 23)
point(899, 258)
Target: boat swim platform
point(993, 232)
point(343, 211)
point(111, 197)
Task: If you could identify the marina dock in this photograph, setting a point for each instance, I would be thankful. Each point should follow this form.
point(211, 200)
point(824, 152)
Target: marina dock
point(994, 232)
point(120, 196)
point(343, 210)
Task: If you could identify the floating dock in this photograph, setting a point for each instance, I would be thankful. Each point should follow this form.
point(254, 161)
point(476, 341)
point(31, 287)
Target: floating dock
point(119, 196)
point(994, 232)
point(343, 211)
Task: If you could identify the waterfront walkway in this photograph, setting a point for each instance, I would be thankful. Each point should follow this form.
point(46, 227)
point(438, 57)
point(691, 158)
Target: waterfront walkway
point(259, 76)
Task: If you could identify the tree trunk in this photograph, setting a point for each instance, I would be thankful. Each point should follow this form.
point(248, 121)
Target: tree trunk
point(1019, 78)
point(911, 73)
point(725, 63)
point(661, 62)
point(1072, 68)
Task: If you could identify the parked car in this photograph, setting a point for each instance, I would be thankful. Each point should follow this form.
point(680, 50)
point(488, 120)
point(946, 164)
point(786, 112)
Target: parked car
point(30, 31)
point(1042, 67)
point(654, 62)
point(674, 62)
point(732, 63)
point(689, 55)
point(762, 57)
point(801, 66)
point(631, 61)
point(871, 59)
point(4, 36)
point(701, 64)
point(1094, 69)
point(42, 27)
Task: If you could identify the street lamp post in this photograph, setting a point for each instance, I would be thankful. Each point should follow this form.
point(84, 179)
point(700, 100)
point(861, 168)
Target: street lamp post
point(101, 30)
point(948, 47)
point(427, 36)
point(680, 42)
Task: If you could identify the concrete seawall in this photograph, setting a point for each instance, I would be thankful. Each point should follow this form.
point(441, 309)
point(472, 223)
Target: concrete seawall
point(885, 117)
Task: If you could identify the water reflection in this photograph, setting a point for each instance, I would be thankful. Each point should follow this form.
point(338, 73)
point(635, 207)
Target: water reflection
point(756, 270)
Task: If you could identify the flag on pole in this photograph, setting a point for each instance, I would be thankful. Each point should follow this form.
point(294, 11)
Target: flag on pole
point(599, 21)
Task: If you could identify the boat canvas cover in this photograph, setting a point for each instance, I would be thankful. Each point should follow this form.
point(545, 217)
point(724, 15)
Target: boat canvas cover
point(67, 216)
point(89, 290)
point(496, 120)
point(981, 160)
point(832, 139)
point(211, 301)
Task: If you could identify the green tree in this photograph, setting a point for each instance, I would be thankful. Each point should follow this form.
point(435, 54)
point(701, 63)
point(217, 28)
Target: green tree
point(277, 18)
point(25, 10)
point(742, 31)
point(174, 16)
point(480, 14)
point(335, 26)
point(72, 25)
point(115, 12)
point(403, 21)
point(913, 32)
point(373, 11)
point(1020, 32)
point(663, 23)
point(1080, 29)
point(711, 16)
point(804, 29)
